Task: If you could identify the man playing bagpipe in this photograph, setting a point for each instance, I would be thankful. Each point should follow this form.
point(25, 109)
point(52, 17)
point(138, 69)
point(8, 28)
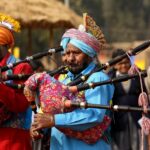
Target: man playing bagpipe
point(74, 129)
point(15, 114)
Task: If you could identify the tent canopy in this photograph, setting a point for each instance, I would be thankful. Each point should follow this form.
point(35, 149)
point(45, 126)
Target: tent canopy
point(40, 13)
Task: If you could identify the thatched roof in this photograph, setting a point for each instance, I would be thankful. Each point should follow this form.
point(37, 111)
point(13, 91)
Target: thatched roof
point(40, 13)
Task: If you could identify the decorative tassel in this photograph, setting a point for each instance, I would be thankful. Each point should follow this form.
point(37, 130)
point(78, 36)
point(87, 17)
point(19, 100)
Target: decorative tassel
point(143, 101)
point(143, 98)
point(145, 125)
point(133, 70)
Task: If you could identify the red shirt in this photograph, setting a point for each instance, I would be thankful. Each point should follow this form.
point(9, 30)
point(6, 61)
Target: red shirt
point(15, 101)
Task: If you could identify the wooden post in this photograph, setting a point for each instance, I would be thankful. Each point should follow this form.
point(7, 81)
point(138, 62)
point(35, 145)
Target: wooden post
point(52, 63)
point(29, 47)
point(51, 37)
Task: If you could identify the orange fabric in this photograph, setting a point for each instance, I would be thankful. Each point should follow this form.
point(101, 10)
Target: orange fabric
point(6, 37)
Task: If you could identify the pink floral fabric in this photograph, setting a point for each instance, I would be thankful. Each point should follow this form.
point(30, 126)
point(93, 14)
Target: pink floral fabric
point(90, 135)
point(145, 125)
point(52, 95)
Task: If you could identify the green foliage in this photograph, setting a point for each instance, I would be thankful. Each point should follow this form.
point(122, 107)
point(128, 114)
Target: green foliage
point(125, 20)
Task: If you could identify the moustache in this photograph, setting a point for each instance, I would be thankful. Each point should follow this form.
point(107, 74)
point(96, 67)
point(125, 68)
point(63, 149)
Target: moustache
point(73, 65)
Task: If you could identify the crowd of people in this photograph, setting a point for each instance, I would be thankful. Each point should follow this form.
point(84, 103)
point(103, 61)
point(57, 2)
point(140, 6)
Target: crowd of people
point(73, 128)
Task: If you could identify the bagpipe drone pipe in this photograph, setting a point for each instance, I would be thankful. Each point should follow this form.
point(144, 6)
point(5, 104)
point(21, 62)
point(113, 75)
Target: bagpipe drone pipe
point(59, 70)
point(33, 57)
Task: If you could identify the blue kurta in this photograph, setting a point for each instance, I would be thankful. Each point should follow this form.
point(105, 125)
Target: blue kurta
point(81, 119)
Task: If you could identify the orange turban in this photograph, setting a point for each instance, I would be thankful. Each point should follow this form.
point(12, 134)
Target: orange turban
point(6, 37)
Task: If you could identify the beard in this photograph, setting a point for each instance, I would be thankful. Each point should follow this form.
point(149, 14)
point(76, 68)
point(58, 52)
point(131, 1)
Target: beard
point(77, 68)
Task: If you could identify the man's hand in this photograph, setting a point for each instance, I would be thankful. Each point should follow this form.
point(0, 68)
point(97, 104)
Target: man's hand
point(35, 135)
point(42, 120)
point(2, 76)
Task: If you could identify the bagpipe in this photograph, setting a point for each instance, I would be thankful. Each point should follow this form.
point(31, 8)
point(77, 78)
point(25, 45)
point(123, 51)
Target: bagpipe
point(55, 98)
point(83, 87)
point(78, 87)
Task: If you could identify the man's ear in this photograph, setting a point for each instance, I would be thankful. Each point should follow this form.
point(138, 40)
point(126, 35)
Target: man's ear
point(7, 46)
point(3, 47)
point(89, 59)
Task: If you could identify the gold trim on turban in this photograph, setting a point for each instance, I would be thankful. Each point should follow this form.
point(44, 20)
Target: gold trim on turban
point(91, 27)
point(9, 22)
